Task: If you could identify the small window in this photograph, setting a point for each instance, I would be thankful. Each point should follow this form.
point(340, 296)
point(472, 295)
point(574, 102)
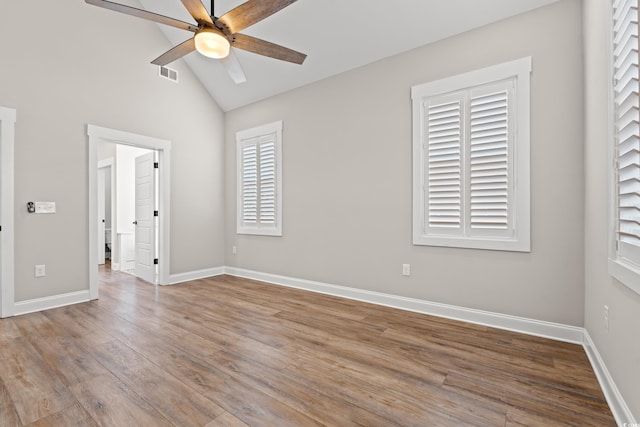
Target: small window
point(259, 157)
point(471, 159)
point(625, 253)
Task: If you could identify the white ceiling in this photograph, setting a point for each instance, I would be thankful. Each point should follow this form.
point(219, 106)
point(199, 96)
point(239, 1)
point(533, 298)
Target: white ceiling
point(337, 35)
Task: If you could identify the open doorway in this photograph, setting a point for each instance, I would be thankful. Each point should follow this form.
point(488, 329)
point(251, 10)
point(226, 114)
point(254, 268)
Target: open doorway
point(106, 205)
point(147, 156)
point(127, 204)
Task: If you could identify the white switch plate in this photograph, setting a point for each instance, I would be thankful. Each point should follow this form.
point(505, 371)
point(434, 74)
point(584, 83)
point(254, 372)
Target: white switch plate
point(45, 207)
point(40, 270)
point(406, 269)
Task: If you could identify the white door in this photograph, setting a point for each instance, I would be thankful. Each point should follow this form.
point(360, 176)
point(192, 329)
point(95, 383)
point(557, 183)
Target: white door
point(145, 197)
point(101, 216)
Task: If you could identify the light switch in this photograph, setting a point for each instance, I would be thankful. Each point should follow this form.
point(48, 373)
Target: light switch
point(45, 207)
point(40, 270)
point(406, 269)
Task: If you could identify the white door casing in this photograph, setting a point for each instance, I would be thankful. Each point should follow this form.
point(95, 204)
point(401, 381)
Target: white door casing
point(145, 205)
point(7, 134)
point(163, 147)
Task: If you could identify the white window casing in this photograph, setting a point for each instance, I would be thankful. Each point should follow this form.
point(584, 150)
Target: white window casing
point(624, 253)
point(471, 159)
point(259, 180)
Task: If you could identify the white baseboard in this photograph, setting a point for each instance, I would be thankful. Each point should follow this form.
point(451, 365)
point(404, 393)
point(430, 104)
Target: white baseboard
point(39, 304)
point(195, 275)
point(539, 328)
point(127, 265)
point(616, 402)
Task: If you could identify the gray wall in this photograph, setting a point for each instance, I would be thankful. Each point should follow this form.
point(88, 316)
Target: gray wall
point(66, 64)
point(620, 347)
point(347, 177)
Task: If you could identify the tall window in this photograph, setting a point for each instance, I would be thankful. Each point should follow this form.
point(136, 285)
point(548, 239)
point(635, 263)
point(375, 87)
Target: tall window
point(471, 159)
point(259, 157)
point(625, 260)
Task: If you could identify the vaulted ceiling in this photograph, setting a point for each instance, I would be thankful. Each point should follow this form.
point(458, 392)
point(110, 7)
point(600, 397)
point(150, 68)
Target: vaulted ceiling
point(337, 36)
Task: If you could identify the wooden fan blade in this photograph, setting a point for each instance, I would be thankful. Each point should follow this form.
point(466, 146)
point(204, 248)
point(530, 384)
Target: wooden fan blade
point(143, 14)
point(233, 67)
point(252, 12)
point(198, 11)
point(272, 50)
point(175, 53)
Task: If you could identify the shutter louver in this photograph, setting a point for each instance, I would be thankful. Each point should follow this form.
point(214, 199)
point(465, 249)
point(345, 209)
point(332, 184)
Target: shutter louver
point(489, 198)
point(444, 162)
point(627, 122)
point(250, 183)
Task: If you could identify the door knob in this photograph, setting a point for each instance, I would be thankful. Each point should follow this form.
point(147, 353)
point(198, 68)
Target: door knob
point(135, 222)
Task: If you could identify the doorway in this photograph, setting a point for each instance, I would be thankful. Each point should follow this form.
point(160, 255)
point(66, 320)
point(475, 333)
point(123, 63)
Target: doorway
point(162, 150)
point(127, 202)
point(105, 204)
point(7, 132)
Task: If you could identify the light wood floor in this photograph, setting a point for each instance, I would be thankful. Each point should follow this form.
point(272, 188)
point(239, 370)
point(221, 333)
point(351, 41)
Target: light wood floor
point(233, 352)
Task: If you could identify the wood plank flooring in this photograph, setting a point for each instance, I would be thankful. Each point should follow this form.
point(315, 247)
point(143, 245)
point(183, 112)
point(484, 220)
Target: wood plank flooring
point(226, 351)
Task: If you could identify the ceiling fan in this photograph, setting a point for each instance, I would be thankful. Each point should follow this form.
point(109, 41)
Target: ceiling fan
point(213, 37)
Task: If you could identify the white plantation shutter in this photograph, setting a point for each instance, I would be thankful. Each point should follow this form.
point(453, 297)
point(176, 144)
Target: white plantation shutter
point(259, 180)
point(444, 162)
point(471, 159)
point(489, 161)
point(267, 201)
point(627, 129)
point(250, 182)
point(467, 180)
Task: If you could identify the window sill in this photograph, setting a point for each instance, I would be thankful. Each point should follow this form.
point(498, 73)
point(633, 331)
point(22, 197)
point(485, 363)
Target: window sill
point(626, 274)
point(508, 245)
point(260, 231)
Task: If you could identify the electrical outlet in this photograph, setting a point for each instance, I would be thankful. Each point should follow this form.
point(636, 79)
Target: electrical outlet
point(406, 269)
point(40, 270)
point(234, 250)
point(606, 318)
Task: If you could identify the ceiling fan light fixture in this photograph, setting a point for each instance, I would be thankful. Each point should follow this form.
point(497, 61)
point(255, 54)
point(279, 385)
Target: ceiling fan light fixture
point(211, 43)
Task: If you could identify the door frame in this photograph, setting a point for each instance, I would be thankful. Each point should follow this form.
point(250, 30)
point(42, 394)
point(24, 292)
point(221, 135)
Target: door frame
point(163, 147)
point(7, 143)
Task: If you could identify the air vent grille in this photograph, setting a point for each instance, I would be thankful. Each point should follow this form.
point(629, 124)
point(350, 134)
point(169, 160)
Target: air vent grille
point(169, 74)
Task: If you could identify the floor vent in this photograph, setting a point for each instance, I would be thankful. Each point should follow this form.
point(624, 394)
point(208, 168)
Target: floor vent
point(168, 73)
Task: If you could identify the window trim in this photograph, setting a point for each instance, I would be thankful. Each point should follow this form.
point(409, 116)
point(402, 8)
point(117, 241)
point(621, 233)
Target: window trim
point(275, 129)
point(619, 268)
point(519, 70)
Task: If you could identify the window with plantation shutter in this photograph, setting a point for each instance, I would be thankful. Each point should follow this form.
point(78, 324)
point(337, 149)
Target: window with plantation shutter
point(471, 159)
point(625, 259)
point(259, 180)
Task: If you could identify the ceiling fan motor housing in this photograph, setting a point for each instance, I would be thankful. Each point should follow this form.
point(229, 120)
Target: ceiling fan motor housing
point(212, 42)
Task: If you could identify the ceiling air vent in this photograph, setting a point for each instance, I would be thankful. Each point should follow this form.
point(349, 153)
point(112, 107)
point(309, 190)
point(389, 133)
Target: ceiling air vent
point(168, 73)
